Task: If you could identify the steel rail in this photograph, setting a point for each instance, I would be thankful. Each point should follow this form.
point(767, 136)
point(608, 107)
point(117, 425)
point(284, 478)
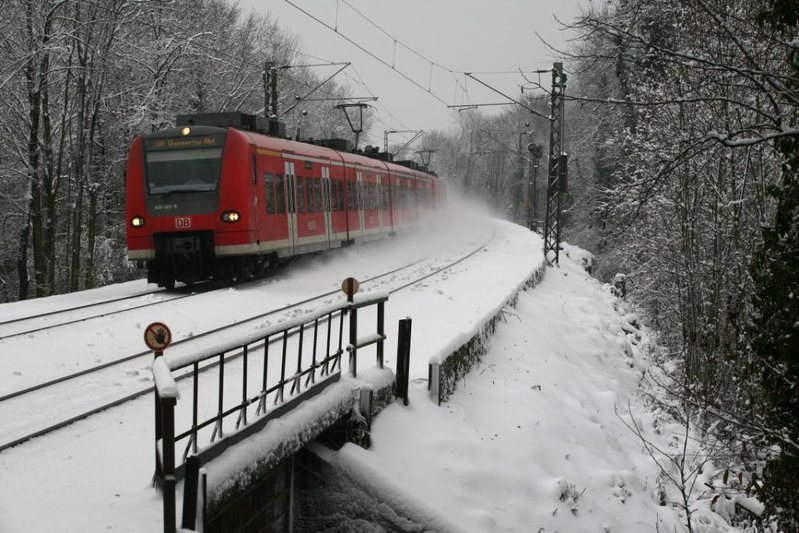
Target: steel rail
point(77, 307)
point(84, 319)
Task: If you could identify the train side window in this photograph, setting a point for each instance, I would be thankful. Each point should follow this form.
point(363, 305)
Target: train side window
point(352, 202)
point(317, 191)
point(269, 193)
point(300, 194)
point(280, 195)
point(370, 193)
point(291, 193)
point(311, 184)
point(312, 195)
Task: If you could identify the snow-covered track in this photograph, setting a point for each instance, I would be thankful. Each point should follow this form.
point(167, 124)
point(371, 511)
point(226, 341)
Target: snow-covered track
point(73, 315)
point(70, 387)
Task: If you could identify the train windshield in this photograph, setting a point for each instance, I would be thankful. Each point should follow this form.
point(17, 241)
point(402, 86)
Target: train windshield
point(183, 170)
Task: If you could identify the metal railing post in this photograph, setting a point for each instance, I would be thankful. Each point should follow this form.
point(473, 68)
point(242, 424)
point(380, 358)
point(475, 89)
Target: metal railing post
point(353, 347)
point(168, 458)
point(381, 330)
point(218, 427)
point(403, 358)
point(158, 475)
point(195, 405)
point(190, 490)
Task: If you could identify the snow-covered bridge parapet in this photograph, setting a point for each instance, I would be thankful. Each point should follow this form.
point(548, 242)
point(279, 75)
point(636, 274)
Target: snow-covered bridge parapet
point(456, 359)
point(269, 391)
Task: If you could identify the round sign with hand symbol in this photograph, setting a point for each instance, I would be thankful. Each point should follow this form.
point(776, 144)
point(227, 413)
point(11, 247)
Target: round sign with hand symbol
point(157, 336)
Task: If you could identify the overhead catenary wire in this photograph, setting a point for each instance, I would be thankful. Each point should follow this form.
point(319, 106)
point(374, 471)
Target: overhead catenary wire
point(367, 52)
point(357, 80)
point(397, 41)
point(379, 103)
point(331, 96)
point(456, 74)
point(421, 56)
point(530, 109)
point(345, 65)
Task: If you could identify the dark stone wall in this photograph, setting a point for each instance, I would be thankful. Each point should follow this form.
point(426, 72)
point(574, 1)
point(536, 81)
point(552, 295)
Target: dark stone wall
point(329, 501)
point(263, 508)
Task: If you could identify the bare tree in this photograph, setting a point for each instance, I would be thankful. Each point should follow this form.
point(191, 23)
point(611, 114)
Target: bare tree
point(701, 97)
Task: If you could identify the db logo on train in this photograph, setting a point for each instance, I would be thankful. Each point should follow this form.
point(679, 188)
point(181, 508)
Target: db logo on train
point(182, 222)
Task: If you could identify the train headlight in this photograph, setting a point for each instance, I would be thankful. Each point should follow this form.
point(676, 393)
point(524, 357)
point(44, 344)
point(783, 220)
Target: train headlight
point(185, 130)
point(230, 217)
point(137, 222)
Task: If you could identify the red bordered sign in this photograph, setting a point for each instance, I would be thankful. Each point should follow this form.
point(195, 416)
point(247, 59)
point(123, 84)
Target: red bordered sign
point(157, 336)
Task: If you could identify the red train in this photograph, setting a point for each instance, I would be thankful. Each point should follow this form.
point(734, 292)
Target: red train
point(216, 197)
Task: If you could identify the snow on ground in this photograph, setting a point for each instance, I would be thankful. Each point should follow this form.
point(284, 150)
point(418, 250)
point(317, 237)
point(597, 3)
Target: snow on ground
point(530, 441)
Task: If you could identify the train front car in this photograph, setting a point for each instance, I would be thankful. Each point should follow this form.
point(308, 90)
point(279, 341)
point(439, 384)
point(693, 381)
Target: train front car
point(183, 204)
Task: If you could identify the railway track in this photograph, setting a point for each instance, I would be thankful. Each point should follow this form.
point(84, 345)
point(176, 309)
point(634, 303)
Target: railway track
point(26, 423)
point(64, 317)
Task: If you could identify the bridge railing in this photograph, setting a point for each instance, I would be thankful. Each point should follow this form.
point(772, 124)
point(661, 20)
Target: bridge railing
point(252, 379)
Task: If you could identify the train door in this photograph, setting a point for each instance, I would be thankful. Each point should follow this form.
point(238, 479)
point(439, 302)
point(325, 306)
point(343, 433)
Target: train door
point(291, 208)
point(326, 207)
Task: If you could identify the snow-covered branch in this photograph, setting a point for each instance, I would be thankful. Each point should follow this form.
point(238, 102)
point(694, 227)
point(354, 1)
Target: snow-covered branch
point(733, 141)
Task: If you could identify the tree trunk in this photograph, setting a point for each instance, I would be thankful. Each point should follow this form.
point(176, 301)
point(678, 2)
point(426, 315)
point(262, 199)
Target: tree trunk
point(74, 264)
point(91, 223)
point(22, 256)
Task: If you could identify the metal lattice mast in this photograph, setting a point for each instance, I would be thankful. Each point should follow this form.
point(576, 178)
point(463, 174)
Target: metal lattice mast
point(552, 219)
point(270, 90)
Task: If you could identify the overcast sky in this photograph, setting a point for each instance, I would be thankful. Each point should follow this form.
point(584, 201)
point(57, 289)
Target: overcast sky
point(477, 36)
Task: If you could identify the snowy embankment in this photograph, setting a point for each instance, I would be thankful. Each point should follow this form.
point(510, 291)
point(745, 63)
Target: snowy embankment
point(534, 438)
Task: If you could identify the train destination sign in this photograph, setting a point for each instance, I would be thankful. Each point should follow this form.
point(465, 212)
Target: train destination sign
point(157, 336)
point(184, 142)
